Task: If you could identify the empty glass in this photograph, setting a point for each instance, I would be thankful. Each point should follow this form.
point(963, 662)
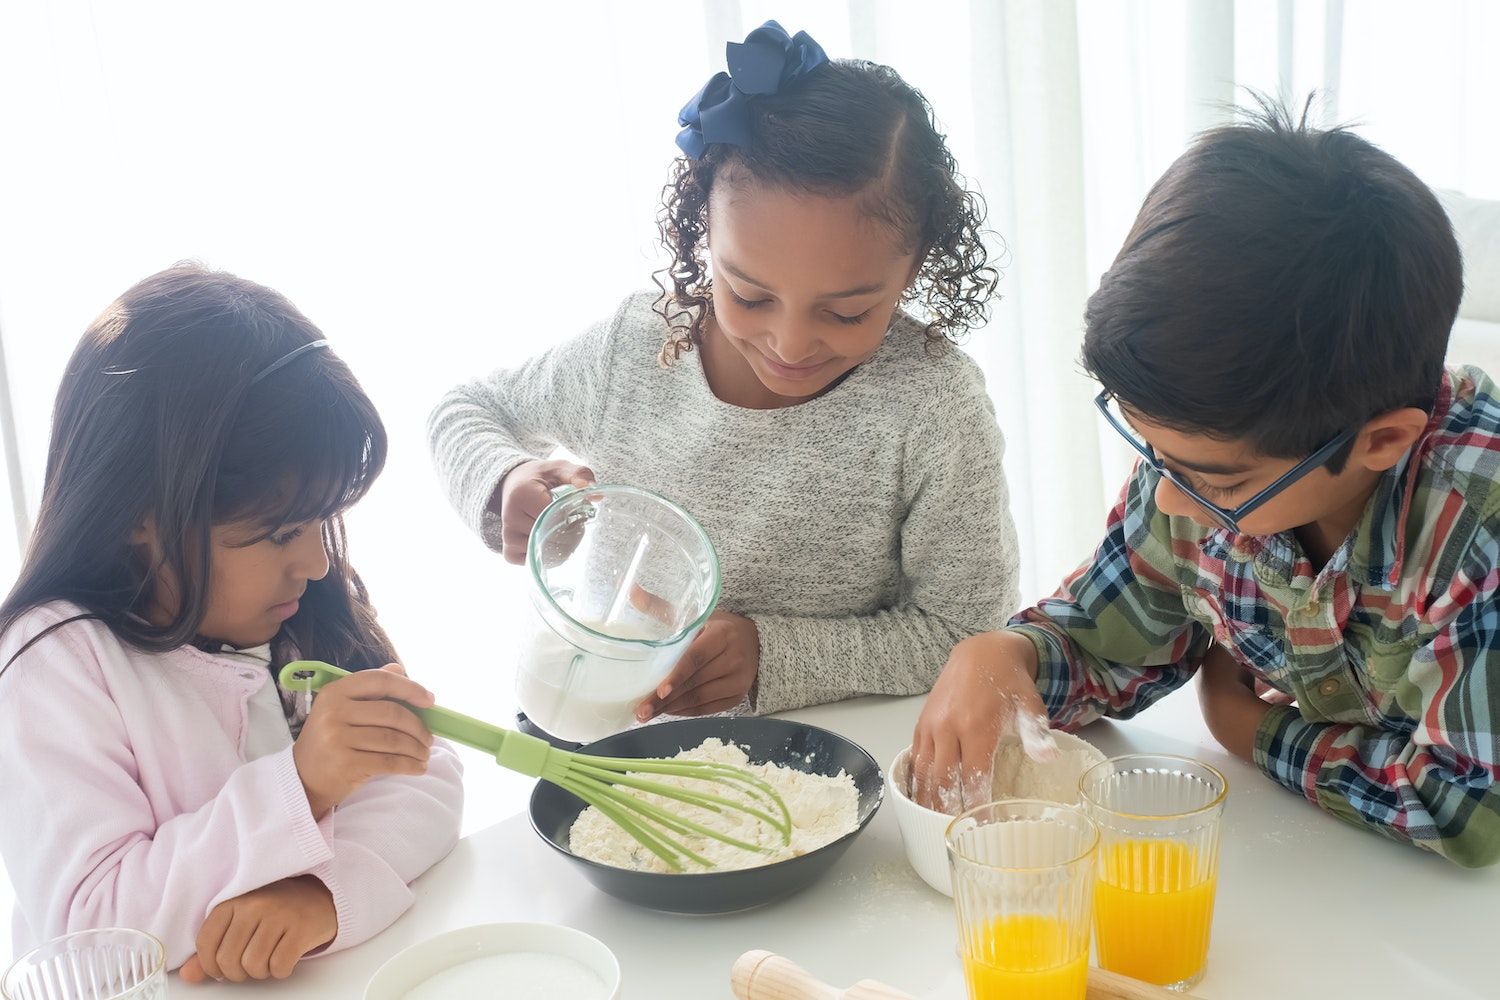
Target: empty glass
point(1023, 876)
point(109, 964)
point(621, 582)
point(1158, 819)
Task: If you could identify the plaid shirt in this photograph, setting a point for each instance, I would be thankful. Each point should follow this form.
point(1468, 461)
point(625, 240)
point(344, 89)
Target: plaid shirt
point(1388, 649)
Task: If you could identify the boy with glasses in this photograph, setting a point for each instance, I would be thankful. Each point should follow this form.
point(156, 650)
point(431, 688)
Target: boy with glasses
point(1314, 524)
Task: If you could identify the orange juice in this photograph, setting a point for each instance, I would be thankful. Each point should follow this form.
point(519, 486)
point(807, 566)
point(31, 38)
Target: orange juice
point(1027, 957)
point(1153, 907)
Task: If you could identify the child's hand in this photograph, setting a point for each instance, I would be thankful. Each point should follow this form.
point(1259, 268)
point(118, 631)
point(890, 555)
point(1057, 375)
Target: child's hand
point(355, 733)
point(263, 934)
point(1231, 708)
point(524, 493)
point(715, 673)
point(987, 688)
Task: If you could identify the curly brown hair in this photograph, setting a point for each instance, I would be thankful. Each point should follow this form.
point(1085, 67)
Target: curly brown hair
point(853, 127)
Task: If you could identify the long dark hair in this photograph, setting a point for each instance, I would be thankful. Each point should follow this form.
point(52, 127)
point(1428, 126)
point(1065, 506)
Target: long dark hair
point(157, 418)
point(851, 127)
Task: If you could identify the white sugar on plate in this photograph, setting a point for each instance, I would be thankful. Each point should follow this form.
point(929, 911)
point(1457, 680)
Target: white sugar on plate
point(518, 975)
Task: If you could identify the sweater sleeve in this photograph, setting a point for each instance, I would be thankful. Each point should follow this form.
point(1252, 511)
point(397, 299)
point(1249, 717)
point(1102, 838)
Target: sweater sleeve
point(80, 839)
point(383, 837)
point(959, 572)
point(484, 428)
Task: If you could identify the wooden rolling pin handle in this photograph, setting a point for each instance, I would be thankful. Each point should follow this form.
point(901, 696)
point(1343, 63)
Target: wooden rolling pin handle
point(1105, 985)
point(760, 975)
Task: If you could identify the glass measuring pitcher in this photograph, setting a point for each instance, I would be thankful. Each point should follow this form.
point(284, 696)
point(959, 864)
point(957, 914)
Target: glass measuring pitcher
point(621, 580)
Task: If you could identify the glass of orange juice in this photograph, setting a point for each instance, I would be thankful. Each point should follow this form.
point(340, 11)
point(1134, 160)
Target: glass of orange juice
point(1158, 863)
point(1023, 874)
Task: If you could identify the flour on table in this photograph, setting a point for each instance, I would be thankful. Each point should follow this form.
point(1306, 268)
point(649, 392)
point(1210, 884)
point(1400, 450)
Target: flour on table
point(823, 808)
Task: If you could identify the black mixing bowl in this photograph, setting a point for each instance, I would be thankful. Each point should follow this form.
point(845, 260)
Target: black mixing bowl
point(777, 741)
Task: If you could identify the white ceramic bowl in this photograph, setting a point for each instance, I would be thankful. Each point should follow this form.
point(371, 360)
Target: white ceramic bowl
point(417, 965)
point(923, 830)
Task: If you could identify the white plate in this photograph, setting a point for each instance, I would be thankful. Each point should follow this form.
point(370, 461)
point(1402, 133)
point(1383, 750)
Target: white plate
point(416, 965)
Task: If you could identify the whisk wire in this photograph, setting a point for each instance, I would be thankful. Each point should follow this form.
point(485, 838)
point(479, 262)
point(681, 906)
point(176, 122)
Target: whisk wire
point(665, 848)
point(676, 822)
point(704, 800)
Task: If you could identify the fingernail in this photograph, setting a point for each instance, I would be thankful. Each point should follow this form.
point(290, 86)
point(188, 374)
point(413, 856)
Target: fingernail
point(664, 690)
point(642, 714)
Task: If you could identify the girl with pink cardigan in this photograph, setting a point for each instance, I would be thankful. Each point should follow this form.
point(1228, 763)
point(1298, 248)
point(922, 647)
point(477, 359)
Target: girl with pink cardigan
point(204, 444)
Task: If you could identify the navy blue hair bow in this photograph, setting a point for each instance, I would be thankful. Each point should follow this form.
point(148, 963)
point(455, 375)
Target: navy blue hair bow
point(765, 62)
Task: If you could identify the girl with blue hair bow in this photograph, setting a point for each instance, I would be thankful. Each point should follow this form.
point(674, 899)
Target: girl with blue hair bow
point(794, 385)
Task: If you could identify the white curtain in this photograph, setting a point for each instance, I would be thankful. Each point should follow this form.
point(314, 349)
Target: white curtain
point(448, 187)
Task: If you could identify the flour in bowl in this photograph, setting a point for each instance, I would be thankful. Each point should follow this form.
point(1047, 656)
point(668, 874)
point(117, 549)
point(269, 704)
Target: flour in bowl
point(824, 808)
point(1018, 776)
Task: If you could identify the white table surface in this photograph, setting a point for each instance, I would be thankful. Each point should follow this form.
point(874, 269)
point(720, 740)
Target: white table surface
point(1307, 907)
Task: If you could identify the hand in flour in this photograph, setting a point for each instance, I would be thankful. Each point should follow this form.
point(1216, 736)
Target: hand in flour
point(715, 673)
point(356, 732)
point(986, 690)
point(264, 933)
point(524, 493)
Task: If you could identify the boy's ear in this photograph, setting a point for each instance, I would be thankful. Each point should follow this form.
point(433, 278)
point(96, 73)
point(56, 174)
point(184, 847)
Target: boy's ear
point(1384, 439)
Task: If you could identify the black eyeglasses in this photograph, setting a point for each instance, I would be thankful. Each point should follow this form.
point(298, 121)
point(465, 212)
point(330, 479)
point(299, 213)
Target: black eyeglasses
point(1227, 519)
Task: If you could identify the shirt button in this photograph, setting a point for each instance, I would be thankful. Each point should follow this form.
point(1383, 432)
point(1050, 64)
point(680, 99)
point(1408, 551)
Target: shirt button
point(1312, 608)
point(1329, 688)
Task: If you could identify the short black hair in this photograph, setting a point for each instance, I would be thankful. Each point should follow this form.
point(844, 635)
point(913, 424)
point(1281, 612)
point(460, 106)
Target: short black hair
point(1281, 284)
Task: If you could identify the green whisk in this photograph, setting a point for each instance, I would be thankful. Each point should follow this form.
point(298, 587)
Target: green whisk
point(600, 781)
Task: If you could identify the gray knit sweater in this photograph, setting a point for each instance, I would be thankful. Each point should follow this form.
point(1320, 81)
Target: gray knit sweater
point(865, 531)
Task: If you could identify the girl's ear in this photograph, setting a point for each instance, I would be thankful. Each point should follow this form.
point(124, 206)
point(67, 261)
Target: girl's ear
point(144, 534)
point(1385, 438)
point(916, 266)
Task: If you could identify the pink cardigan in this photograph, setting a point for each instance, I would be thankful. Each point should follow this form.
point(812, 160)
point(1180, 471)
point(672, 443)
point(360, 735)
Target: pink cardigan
point(125, 798)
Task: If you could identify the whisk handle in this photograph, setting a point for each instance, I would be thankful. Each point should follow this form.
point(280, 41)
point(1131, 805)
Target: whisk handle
point(513, 750)
point(309, 675)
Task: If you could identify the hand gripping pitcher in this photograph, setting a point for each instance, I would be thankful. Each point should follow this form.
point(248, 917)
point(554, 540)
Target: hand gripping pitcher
point(621, 580)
